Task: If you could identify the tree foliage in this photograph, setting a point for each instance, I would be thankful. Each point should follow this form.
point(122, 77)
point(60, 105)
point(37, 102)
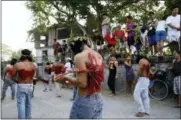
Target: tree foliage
point(69, 13)
point(6, 49)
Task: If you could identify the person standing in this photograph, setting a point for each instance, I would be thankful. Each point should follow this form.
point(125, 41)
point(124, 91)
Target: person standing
point(143, 36)
point(35, 79)
point(130, 76)
point(25, 70)
point(120, 35)
point(130, 26)
point(9, 80)
point(160, 36)
point(90, 75)
point(58, 68)
point(113, 64)
point(64, 50)
point(105, 25)
point(173, 23)
point(151, 37)
point(48, 76)
point(57, 48)
point(98, 42)
point(141, 96)
point(177, 80)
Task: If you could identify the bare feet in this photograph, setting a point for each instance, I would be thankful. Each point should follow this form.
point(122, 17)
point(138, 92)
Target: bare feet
point(140, 114)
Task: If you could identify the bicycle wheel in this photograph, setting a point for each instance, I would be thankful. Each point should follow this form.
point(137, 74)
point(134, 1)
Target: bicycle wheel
point(159, 90)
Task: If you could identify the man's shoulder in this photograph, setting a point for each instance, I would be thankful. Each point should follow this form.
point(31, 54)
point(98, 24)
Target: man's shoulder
point(78, 56)
point(169, 17)
point(178, 16)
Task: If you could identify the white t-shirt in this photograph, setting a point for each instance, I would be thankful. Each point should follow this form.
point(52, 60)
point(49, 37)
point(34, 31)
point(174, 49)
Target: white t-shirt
point(68, 67)
point(161, 25)
point(133, 49)
point(106, 21)
point(173, 33)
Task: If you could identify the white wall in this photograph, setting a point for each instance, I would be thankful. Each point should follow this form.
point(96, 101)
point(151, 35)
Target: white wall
point(51, 36)
point(39, 54)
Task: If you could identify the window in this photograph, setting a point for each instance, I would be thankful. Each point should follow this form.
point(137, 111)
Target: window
point(42, 45)
point(44, 53)
point(42, 37)
point(63, 33)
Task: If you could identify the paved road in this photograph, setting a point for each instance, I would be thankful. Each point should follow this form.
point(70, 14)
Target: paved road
point(46, 105)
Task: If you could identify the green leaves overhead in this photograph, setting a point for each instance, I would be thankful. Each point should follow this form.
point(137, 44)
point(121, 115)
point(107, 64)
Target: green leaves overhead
point(70, 13)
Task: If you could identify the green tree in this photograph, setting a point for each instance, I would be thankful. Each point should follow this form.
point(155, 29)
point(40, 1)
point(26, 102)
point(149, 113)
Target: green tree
point(68, 13)
point(16, 54)
point(5, 51)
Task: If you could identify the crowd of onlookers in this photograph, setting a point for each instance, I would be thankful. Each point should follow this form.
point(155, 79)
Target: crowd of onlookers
point(150, 36)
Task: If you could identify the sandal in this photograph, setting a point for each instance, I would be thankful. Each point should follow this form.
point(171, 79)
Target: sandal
point(140, 114)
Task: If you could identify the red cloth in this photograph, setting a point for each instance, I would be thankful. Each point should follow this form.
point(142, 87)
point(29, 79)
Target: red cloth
point(119, 34)
point(24, 74)
point(59, 69)
point(11, 72)
point(95, 75)
point(48, 70)
point(110, 41)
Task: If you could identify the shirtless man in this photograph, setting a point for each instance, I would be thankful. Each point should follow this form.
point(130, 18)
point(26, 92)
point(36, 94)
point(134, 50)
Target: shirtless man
point(58, 68)
point(141, 89)
point(8, 78)
point(25, 70)
point(89, 78)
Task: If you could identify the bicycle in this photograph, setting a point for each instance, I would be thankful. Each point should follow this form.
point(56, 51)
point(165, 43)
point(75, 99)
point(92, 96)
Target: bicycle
point(162, 84)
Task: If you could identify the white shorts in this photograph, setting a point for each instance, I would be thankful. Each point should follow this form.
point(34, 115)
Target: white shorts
point(173, 36)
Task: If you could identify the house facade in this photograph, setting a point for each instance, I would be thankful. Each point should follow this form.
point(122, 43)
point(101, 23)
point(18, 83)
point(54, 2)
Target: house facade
point(44, 46)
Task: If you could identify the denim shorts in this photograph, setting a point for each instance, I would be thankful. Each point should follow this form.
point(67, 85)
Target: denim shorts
point(87, 107)
point(152, 40)
point(160, 35)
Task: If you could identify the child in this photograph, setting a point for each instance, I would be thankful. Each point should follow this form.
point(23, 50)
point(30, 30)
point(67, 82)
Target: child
point(151, 39)
point(130, 76)
point(130, 30)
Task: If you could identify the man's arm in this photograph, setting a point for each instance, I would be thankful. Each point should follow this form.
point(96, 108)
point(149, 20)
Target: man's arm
point(81, 80)
point(4, 75)
point(169, 23)
point(16, 68)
